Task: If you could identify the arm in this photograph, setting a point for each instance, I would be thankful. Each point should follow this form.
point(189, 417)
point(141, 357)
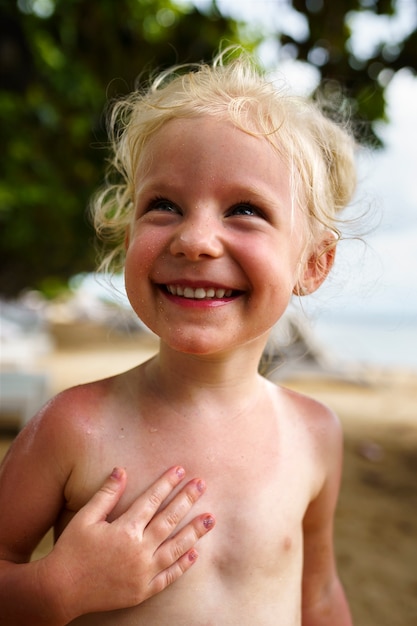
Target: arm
point(30, 501)
point(324, 602)
point(130, 559)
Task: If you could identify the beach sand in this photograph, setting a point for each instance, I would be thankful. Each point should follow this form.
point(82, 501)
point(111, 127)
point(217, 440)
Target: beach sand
point(376, 521)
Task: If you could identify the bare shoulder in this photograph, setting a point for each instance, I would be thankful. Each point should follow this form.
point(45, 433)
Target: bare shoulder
point(318, 426)
point(56, 421)
point(38, 464)
point(321, 420)
point(62, 415)
point(67, 415)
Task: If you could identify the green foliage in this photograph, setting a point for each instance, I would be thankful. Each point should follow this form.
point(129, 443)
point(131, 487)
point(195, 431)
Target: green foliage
point(328, 47)
point(60, 61)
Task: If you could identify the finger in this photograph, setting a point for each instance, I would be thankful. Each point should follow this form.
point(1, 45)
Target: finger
point(106, 498)
point(172, 573)
point(166, 521)
point(147, 504)
point(174, 548)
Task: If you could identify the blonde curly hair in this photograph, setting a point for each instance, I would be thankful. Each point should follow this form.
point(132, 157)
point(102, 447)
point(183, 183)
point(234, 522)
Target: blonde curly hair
point(318, 151)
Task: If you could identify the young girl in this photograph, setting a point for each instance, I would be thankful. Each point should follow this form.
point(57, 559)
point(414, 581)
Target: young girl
point(219, 509)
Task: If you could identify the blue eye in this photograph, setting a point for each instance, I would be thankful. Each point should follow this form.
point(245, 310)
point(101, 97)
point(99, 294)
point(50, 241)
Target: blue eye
point(162, 204)
point(246, 209)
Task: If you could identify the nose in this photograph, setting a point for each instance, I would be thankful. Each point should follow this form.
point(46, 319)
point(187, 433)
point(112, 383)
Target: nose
point(197, 239)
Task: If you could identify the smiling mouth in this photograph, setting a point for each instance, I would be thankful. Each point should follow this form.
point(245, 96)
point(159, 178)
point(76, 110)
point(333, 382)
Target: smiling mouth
point(200, 293)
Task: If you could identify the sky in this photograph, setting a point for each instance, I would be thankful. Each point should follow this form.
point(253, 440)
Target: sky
point(380, 277)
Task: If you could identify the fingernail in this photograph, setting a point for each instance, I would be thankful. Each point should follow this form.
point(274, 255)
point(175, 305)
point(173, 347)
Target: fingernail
point(201, 486)
point(208, 522)
point(180, 472)
point(116, 473)
point(192, 555)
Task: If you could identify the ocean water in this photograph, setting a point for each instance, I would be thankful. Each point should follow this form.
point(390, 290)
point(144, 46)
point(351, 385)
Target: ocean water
point(380, 341)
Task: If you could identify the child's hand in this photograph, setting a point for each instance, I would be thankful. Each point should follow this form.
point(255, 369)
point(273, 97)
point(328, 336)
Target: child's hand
point(114, 565)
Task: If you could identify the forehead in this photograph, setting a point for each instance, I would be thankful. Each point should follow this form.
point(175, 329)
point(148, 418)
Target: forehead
point(212, 147)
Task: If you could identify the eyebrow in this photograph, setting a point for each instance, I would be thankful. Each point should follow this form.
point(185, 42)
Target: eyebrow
point(254, 192)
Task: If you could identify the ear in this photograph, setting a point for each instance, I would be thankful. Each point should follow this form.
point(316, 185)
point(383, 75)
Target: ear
point(317, 266)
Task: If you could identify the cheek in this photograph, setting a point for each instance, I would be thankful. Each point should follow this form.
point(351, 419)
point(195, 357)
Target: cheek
point(141, 254)
point(135, 271)
point(144, 256)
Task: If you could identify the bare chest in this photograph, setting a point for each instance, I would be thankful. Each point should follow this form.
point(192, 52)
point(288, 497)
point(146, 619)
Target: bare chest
point(257, 486)
point(257, 489)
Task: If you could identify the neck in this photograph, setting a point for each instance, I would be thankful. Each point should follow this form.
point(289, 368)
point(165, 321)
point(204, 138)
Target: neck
point(189, 383)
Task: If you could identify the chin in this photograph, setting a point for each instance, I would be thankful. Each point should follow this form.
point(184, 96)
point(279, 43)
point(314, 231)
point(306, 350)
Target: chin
point(197, 348)
point(198, 343)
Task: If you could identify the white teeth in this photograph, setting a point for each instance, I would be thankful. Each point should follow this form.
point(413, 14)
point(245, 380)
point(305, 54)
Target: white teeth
point(200, 293)
point(188, 292)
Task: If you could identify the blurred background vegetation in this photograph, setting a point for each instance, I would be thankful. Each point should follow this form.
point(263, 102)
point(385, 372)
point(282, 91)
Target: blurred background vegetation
point(62, 60)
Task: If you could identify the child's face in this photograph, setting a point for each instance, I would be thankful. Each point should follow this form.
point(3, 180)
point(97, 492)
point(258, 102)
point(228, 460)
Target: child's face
point(213, 249)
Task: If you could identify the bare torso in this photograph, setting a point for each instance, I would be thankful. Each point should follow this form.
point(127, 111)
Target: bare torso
point(258, 468)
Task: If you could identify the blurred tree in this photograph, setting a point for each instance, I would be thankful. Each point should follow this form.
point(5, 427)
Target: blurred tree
point(60, 60)
point(361, 73)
